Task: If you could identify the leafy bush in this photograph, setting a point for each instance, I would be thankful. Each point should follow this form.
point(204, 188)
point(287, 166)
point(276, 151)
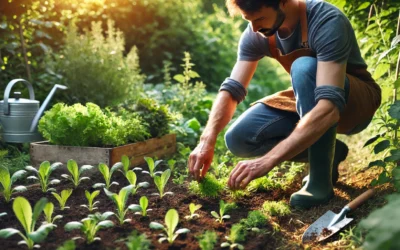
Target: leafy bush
point(276, 208)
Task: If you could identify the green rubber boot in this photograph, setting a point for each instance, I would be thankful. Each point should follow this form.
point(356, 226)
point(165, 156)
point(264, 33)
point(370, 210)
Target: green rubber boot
point(319, 189)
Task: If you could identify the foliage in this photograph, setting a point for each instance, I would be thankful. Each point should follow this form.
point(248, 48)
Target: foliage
point(276, 208)
point(137, 241)
point(14, 158)
point(161, 182)
point(120, 200)
point(107, 175)
point(152, 166)
point(171, 222)
point(254, 221)
point(76, 172)
point(48, 212)
point(142, 207)
point(91, 225)
point(193, 208)
point(126, 162)
point(132, 179)
point(63, 197)
point(6, 182)
point(90, 197)
point(237, 234)
point(223, 208)
point(207, 240)
point(23, 211)
point(209, 186)
point(43, 175)
point(68, 245)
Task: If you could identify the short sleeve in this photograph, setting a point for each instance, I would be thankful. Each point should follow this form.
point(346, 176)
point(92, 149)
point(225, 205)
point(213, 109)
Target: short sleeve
point(252, 46)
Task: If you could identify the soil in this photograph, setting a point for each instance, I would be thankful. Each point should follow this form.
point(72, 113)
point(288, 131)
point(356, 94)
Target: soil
point(326, 232)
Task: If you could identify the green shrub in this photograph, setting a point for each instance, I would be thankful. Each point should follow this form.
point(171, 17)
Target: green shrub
point(208, 187)
point(276, 208)
point(207, 240)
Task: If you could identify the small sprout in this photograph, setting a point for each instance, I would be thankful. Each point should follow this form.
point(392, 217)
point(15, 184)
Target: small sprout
point(120, 200)
point(132, 179)
point(90, 197)
point(193, 208)
point(161, 182)
point(126, 163)
point(273, 208)
point(236, 236)
point(67, 245)
point(76, 172)
point(107, 174)
point(254, 221)
point(7, 181)
point(209, 186)
point(137, 242)
point(171, 221)
point(171, 164)
point(91, 225)
point(208, 240)
point(152, 166)
point(62, 199)
point(48, 213)
point(27, 218)
point(43, 175)
point(223, 208)
point(142, 208)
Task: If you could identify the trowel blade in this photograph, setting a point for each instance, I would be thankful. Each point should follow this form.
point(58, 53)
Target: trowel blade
point(319, 230)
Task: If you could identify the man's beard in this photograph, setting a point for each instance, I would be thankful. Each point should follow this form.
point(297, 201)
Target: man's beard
point(280, 18)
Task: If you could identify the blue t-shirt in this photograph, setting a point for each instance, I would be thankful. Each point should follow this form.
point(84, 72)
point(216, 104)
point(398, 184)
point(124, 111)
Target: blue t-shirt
point(330, 36)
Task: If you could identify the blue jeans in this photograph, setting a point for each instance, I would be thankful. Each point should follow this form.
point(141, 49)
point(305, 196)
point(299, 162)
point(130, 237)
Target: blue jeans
point(261, 127)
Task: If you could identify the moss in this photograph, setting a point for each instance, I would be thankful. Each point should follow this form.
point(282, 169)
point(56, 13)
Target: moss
point(274, 208)
point(208, 187)
point(238, 233)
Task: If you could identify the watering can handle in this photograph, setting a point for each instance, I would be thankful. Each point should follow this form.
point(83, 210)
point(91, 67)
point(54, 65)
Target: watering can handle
point(10, 85)
point(361, 199)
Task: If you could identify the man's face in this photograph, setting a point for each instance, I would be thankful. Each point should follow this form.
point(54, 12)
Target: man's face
point(266, 21)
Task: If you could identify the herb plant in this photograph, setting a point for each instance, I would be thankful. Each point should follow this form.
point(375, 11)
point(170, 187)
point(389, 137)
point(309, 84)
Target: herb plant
point(90, 197)
point(193, 208)
point(208, 240)
point(152, 166)
point(107, 174)
point(48, 212)
point(137, 242)
point(23, 211)
point(120, 200)
point(223, 208)
point(76, 172)
point(161, 182)
point(91, 225)
point(254, 221)
point(142, 207)
point(132, 179)
point(7, 181)
point(236, 236)
point(171, 221)
point(62, 198)
point(43, 175)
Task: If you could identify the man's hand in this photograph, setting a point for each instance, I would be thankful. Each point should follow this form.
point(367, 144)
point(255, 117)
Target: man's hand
point(246, 171)
point(200, 159)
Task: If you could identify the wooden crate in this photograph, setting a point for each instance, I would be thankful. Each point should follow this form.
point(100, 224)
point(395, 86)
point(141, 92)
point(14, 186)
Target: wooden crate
point(156, 147)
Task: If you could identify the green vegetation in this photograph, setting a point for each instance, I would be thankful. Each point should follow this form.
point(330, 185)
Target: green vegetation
point(236, 236)
point(6, 182)
point(276, 208)
point(43, 175)
point(132, 179)
point(207, 240)
point(152, 166)
point(137, 241)
point(107, 174)
point(171, 221)
point(120, 201)
point(142, 207)
point(209, 186)
point(223, 208)
point(254, 221)
point(48, 212)
point(63, 197)
point(76, 172)
point(90, 197)
point(193, 208)
point(161, 183)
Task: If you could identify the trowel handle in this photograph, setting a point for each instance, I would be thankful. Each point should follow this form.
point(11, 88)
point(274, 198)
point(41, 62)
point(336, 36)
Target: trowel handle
point(361, 199)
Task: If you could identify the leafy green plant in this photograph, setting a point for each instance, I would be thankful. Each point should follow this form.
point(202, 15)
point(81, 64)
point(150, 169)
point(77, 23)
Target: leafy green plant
point(48, 212)
point(171, 222)
point(152, 166)
point(208, 240)
point(161, 182)
point(76, 172)
point(126, 163)
point(142, 207)
point(223, 208)
point(193, 208)
point(209, 186)
point(91, 225)
point(137, 241)
point(236, 236)
point(43, 175)
point(254, 221)
point(90, 197)
point(62, 198)
point(7, 182)
point(276, 208)
point(68, 245)
point(120, 200)
point(107, 174)
point(132, 179)
point(23, 211)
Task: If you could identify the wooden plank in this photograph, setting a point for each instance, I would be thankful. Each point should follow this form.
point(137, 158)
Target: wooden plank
point(160, 154)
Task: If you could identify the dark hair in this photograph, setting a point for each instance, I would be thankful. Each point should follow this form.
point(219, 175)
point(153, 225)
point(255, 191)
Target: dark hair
point(250, 6)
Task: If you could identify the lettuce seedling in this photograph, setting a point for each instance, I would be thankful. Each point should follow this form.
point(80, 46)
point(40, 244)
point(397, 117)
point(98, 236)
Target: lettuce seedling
point(91, 225)
point(171, 221)
point(62, 199)
point(48, 212)
point(142, 208)
point(27, 218)
point(126, 165)
point(152, 166)
point(90, 197)
point(137, 241)
point(193, 208)
point(107, 174)
point(254, 221)
point(207, 240)
point(120, 200)
point(132, 179)
point(237, 235)
point(76, 172)
point(161, 182)
point(223, 208)
point(43, 175)
point(7, 181)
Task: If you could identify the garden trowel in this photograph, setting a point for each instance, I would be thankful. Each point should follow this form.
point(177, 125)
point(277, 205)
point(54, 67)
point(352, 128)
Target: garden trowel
point(330, 223)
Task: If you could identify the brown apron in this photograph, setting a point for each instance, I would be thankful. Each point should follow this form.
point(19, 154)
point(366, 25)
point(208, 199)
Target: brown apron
point(364, 94)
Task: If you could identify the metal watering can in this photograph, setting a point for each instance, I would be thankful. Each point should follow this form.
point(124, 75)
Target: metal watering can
point(19, 117)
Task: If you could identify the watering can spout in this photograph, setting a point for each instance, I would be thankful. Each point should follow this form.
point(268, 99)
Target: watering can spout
point(44, 105)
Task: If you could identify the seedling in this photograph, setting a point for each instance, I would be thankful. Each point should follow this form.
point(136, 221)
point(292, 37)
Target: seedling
point(91, 225)
point(142, 208)
point(62, 199)
point(152, 166)
point(276, 208)
point(208, 240)
point(132, 179)
point(43, 175)
point(209, 186)
point(193, 208)
point(7, 181)
point(48, 212)
point(76, 172)
point(254, 221)
point(137, 241)
point(237, 235)
point(161, 182)
point(27, 218)
point(107, 174)
point(120, 200)
point(171, 221)
point(126, 163)
point(90, 197)
point(223, 208)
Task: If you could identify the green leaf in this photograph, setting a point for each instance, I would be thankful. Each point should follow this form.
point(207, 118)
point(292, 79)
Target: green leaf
point(373, 139)
point(44, 169)
point(7, 232)
point(215, 214)
point(383, 178)
point(41, 233)
point(156, 226)
point(5, 178)
point(85, 168)
point(116, 166)
point(394, 110)
point(193, 124)
point(193, 207)
point(144, 202)
point(396, 173)
point(125, 162)
point(171, 221)
point(363, 6)
point(394, 157)
point(73, 169)
point(48, 211)
point(131, 177)
point(381, 70)
point(193, 74)
point(395, 41)
point(150, 164)
point(73, 225)
point(23, 210)
point(179, 78)
point(104, 170)
point(378, 163)
point(105, 224)
point(165, 177)
point(17, 175)
point(381, 146)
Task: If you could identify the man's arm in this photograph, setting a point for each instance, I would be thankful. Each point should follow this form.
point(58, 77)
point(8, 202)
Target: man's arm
point(309, 129)
point(221, 113)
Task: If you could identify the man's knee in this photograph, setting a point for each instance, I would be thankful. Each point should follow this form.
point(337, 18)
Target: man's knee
point(303, 73)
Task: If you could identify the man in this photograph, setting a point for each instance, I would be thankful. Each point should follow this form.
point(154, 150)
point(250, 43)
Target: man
point(331, 92)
